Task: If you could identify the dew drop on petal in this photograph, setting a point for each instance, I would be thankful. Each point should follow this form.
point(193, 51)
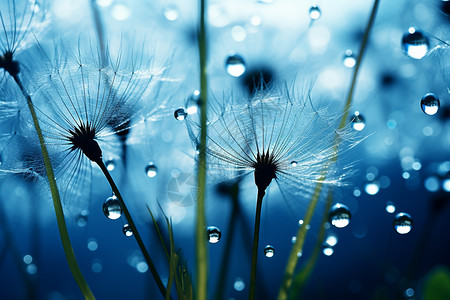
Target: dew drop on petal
point(269, 251)
point(235, 65)
point(180, 114)
point(112, 208)
point(170, 12)
point(390, 207)
point(314, 12)
point(213, 234)
point(239, 284)
point(339, 215)
point(415, 44)
point(327, 250)
point(357, 121)
point(110, 165)
point(151, 170)
point(430, 104)
point(349, 59)
point(403, 223)
point(127, 230)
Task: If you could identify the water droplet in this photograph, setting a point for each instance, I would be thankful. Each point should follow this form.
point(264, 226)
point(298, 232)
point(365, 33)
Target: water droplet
point(372, 188)
point(415, 44)
point(238, 33)
point(28, 259)
point(110, 165)
point(120, 12)
point(127, 230)
point(170, 12)
point(299, 254)
point(82, 218)
point(339, 215)
point(314, 12)
point(31, 269)
point(402, 223)
point(327, 250)
point(269, 251)
point(92, 244)
point(112, 208)
point(239, 284)
point(214, 234)
point(294, 163)
point(331, 240)
point(96, 266)
point(192, 102)
point(104, 3)
point(293, 239)
point(432, 184)
point(235, 65)
point(142, 267)
point(151, 170)
point(349, 59)
point(390, 207)
point(409, 292)
point(357, 121)
point(430, 104)
point(180, 114)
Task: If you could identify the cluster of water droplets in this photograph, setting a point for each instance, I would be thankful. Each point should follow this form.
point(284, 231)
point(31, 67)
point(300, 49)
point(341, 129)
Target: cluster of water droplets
point(30, 267)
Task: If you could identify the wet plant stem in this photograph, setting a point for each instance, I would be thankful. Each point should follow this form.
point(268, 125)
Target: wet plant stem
point(301, 233)
point(201, 255)
point(68, 250)
point(252, 287)
point(136, 234)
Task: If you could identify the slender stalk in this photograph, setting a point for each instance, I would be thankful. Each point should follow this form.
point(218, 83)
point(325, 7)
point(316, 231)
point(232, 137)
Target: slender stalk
point(68, 250)
point(259, 200)
point(201, 255)
point(136, 234)
point(301, 234)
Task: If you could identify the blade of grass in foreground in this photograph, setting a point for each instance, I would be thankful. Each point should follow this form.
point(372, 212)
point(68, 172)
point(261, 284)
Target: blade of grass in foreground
point(301, 233)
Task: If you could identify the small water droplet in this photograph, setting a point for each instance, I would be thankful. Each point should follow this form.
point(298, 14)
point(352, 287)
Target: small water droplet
point(293, 239)
point(339, 215)
point(415, 44)
point(239, 284)
point(349, 59)
point(357, 121)
point(31, 269)
point(430, 104)
point(112, 208)
point(170, 12)
point(314, 12)
point(180, 114)
point(235, 65)
point(96, 266)
point(110, 165)
point(269, 251)
point(104, 3)
point(120, 12)
point(127, 230)
point(193, 102)
point(28, 259)
point(238, 33)
point(214, 234)
point(409, 292)
point(331, 240)
point(92, 244)
point(151, 170)
point(403, 223)
point(327, 250)
point(294, 163)
point(390, 207)
point(82, 218)
point(142, 267)
point(372, 188)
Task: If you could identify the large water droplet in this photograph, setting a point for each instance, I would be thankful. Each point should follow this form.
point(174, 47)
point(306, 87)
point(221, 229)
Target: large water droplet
point(269, 251)
point(327, 250)
point(112, 208)
point(415, 44)
point(239, 284)
point(349, 59)
point(314, 12)
point(235, 65)
point(151, 170)
point(110, 165)
point(214, 234)
point(180, 114)
point(430, 104)
point(357, 121)
point(339, 215)
point(127, 230)
point(403, 223)
point(92, 244)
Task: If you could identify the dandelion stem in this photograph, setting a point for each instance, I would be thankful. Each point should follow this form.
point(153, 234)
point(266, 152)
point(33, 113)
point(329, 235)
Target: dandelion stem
point(201, 255)
point(301, 233)
point(68, 250)
point(259, 200)
point(136, 234)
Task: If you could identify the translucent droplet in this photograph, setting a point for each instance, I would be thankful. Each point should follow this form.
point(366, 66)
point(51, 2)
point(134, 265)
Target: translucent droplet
point(293, 239)
point(96, 266)
point(110, 165)
point(372, 188)
point(92, 244)
point(294, 163)
point(409, 292)
point(403, 223)
point(151, 170)
point(415, 44)
point(238, 33)
point(235, 65)
point(31, 269)
point(349, 59)
point(214, 234)
point(127, 230)
point(314, 12)
point(339, 215)
point(390, 207)
point(180, 114)
point(432, 184)
point(170, 12)
point(120, 12)
point(239, 284)
point(28, 259)
point(357, 121)
point(112, 208)
point(430, 104)
point(104, 3)
point(82, 218)
point(193, 102)
point(269, 251)
point(327, 250)
point(331, 240)
point(142, 267)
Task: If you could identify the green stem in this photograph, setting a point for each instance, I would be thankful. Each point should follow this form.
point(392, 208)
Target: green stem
point(136, 234)
point(68, 250)
point(298, 246)
point(201, 255)
point(259, 200)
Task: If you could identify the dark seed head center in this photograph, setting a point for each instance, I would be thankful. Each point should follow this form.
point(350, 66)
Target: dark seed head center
point(9, 64)
point(265, 170)
point(82, 137)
